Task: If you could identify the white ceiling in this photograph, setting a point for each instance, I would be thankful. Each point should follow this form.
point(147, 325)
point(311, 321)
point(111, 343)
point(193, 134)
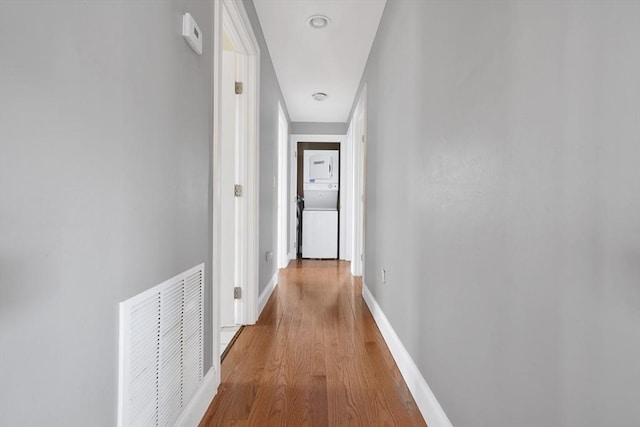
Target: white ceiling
point(329, 60)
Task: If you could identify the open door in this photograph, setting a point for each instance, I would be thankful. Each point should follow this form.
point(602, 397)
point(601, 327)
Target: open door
point(229, 204)
point(235, 155)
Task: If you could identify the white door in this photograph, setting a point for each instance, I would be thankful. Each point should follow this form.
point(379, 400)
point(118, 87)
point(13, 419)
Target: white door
point(227, 199)
point(235, 152)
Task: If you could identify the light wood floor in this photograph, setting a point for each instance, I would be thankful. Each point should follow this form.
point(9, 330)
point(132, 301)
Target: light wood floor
point(314, 358)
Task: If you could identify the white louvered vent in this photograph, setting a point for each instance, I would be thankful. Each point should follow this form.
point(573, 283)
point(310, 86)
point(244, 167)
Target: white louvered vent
point(161, 350)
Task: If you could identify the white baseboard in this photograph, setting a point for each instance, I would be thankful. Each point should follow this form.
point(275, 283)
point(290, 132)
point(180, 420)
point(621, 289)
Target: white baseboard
point(292, 254)
point(264, 296)
point(429, 407)
point(198, 405)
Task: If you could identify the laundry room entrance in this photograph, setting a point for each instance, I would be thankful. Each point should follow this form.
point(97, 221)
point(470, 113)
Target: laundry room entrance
point(318, 198)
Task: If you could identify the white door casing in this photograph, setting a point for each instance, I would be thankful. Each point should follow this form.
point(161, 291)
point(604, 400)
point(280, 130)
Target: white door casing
point(358, 126)
point(345, 199)
point(231, 17)
point(293, 200)
point(283, 173)
point(348, 174)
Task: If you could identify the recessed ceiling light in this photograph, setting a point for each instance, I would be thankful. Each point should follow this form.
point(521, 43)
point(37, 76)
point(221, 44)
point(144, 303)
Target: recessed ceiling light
point(319, 96)
point(318, 21)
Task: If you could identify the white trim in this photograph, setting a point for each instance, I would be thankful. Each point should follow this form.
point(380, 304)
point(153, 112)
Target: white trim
point(236, 14)
point(233, 13)
point(253, 182)
point(358, 126)
point(347, 251)
point(305, 137)
point(292, 254)
point(266, 294)
point(430, 409)
point(198, 405)
point(216, 190)
point(281, 194)
point(293, 194)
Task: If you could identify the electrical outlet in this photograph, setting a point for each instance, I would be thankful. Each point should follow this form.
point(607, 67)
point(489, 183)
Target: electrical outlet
point(383, 275)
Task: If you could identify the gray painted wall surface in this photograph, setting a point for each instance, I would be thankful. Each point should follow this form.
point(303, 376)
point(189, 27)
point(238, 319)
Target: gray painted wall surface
point(270, 94)
point(105, 134)
point(313, 128)
point(507, 169)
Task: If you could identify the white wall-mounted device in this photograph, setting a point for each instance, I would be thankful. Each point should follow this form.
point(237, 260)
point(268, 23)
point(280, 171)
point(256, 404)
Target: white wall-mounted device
point(321, 166)
point(191, 32)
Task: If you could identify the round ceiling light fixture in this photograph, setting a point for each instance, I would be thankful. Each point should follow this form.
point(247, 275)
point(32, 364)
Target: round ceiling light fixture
point(318, 22)
point(319, 96)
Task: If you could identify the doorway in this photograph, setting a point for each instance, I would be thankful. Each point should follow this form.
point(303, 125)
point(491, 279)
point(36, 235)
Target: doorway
point(230, 203)
point(318, 186)
point(346, 194)
point(300, 143)
point(234, 175)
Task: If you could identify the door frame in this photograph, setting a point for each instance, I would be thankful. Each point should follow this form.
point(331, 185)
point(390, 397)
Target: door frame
point(345, 181)
point(358, 128)
point(232, 16)
point(293, 200)
point(283, 197)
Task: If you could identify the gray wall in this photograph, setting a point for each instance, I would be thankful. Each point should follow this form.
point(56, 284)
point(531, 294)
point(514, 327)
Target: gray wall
point(270, 94)
point(319, 128)
point(507, 169)
point(105, 133)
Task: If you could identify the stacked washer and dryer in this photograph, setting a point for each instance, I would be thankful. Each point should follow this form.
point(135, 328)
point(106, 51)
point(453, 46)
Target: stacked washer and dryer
point(320, 214)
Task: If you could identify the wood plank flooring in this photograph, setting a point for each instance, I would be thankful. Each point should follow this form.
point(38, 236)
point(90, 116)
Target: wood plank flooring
point(314, 358)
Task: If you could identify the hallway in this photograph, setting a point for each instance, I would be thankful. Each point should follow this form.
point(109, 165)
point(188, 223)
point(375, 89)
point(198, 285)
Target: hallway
point(315, 357)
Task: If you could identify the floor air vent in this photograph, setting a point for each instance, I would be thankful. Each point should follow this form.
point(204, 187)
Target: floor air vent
point(161, 350)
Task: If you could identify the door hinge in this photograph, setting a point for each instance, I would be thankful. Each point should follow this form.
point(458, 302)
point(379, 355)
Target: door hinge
point(237, 190)
point(362, 138)
point(238, 88)
point(237, 292)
